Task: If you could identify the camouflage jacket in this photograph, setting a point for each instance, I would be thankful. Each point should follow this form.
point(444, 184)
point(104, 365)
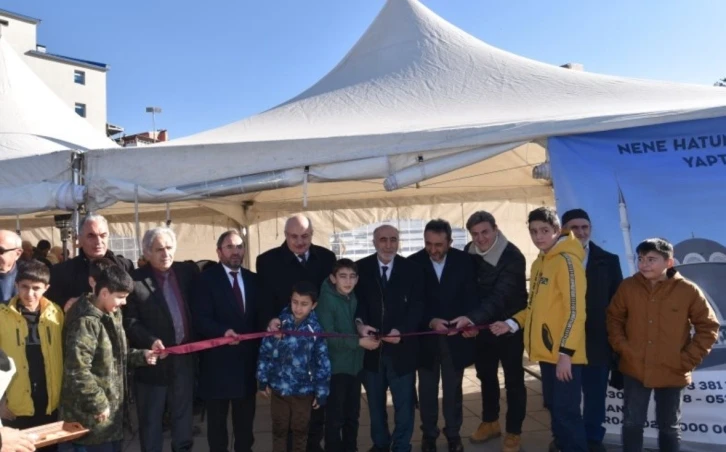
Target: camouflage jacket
point(94, 373)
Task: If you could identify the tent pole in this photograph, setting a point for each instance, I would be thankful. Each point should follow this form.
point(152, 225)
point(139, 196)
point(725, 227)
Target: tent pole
point(136, 218)
point(76, 179)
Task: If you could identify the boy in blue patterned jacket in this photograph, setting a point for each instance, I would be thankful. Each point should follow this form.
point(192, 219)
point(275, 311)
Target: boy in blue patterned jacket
point(295, 370)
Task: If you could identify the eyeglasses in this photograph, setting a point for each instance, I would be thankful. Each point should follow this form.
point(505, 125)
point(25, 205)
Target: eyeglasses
point(3, 250)
point(233, 247)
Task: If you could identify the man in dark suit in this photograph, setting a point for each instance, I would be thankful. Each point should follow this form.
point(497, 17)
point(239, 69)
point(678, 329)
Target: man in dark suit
point(227, 304)
point(156, 316)
point(69, 279)
point(390, 302)
point(604, 275)
point(450, 283)
point(502, 292)
point(297, 259)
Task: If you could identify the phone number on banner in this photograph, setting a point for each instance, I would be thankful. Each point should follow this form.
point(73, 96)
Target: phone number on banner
point(702, 408)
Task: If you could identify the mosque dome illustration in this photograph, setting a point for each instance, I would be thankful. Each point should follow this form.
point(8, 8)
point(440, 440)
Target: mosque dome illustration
point(703, 261)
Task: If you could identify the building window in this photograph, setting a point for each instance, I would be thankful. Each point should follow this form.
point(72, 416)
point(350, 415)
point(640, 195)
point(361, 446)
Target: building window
point(81, 110)
point(79, 77)
point(125, 246)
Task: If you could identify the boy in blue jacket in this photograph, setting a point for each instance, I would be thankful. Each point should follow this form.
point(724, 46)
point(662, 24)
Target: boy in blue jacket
point(295, 370)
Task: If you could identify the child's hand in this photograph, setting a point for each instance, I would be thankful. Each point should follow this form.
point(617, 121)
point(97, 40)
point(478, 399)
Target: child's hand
point(369, 342)
point(315, 404)
point(564, 368)
point(5, 413)
point(266, 393)
point(103, 416)
point(150, 356)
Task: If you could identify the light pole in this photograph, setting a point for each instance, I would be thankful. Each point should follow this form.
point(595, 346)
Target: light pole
point(153, 111)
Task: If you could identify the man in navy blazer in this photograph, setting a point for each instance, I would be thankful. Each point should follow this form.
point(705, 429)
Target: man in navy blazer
point(450, 282)
point(226, 305)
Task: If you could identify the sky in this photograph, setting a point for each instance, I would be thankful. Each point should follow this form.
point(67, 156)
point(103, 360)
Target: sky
point(209, 63)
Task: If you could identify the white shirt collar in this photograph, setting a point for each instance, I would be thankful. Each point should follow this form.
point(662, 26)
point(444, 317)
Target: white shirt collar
point(389, 265)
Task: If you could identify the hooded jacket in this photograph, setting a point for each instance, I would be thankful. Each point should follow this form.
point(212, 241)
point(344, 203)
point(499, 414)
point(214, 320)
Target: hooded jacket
point(336, 313)
point(13, 334)
point(295, 365)
point(554, 320)
point(94, 376)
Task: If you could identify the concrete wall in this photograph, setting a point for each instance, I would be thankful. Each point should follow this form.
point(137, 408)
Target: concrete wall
point(60, 79)
point(22, 37)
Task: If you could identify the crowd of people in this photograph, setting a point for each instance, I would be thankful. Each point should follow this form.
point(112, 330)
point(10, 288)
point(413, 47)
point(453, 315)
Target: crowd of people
point(73, 328)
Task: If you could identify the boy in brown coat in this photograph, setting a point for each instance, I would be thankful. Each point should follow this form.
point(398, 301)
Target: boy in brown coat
point(649, 325)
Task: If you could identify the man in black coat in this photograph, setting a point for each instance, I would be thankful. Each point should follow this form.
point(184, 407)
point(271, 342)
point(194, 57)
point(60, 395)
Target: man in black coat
point(450, 292)
point(69, 279)
point(297, 259)
point(604, 275)
point(390, 302)
point(502, 292)
point(226, 304)
point(156, 316)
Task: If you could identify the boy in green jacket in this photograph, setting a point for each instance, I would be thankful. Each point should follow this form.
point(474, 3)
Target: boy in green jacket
point(336, 313)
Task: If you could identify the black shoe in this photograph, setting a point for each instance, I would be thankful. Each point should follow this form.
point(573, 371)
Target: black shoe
point(596, 447)
point(553, 447)
point(455, 445)
point(428, 445)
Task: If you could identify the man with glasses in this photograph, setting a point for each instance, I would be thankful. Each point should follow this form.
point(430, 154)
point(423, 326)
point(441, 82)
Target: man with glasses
point(226, 304)
point(10, 251)
point(296, 260)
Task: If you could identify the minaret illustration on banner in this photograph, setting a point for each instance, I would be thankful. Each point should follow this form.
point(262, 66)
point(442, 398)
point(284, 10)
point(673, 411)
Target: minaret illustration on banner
point(625, 228)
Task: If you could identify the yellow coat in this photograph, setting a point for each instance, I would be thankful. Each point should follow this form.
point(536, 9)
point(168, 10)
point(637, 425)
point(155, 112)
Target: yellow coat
point(13, 333)
point(554, 320)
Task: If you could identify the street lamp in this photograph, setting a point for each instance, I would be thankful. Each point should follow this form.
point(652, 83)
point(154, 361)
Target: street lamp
point(153, 111)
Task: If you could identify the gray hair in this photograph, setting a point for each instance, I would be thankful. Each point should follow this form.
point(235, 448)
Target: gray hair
point(152, 234)
point(92, 218)
point(383, 226)
point(481, 216)
point(300, 218)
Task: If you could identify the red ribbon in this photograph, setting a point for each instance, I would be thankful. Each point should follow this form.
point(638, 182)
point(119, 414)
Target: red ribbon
point(199, 346)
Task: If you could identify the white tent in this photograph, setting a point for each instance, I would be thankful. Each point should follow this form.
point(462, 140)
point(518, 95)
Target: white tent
point(416, 97)
point(38, 133)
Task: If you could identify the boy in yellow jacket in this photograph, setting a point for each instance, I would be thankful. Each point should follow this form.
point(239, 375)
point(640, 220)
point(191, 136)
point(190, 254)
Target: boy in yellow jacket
point(31, 329)
point(554, 326)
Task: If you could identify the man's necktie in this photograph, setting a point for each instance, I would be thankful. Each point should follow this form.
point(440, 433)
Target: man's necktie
point(237, 291)
point(384, 275)
point(303, 259)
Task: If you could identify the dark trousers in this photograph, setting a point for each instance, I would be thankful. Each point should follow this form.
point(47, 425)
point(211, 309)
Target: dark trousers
point(507, 350)
point(402, 390)
point(290, 414)
point(563, 399)
point(594, 391)
point(24, 422)
point(428, 394)
point(178, 395)
point(111, 446)
point(342, 412)
point(316, 430)
point(635, 414)
point(243, 416)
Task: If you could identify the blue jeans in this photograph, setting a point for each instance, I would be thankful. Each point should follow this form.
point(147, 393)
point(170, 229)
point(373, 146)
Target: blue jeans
point(402, 391)
point(635, 415)
point(594, 392)
point(563, 400)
